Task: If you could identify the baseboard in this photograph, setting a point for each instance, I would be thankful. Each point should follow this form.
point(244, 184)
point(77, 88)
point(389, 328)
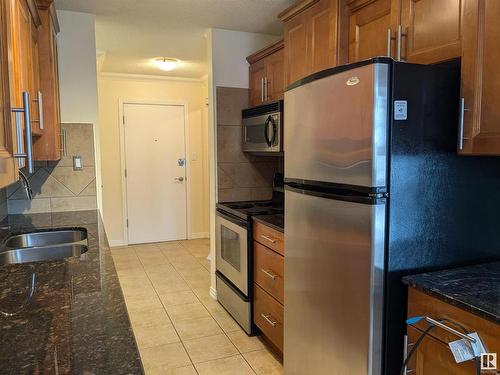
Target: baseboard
point(213, 293)
point(195, 236)
point(117, 243)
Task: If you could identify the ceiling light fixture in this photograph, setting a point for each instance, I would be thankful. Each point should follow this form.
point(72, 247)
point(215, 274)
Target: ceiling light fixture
point(166, 63)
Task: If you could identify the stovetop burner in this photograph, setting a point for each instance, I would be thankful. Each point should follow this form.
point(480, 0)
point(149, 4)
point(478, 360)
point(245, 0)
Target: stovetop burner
point(246, 210)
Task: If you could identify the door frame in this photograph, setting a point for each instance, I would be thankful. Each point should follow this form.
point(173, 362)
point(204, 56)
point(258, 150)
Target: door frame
point(121, 112)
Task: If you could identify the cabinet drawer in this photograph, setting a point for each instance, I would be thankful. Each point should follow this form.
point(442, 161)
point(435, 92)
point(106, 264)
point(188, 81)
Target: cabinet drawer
point(268, 270)
point(421, 304)
point(269, 237)
point(268, 316)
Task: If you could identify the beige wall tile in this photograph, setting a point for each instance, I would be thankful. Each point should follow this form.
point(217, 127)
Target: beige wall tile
point(233, 195)
point(225, 366)
point(230, 102)
point(73, 204)
point(76, 181)
point(26, 206)
point(80, 141)
point(43, 186)
point(209, 348)
point(229, 145)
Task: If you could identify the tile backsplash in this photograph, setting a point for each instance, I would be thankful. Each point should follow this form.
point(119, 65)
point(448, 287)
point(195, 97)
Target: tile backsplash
point(56, 186)
point(240, 176)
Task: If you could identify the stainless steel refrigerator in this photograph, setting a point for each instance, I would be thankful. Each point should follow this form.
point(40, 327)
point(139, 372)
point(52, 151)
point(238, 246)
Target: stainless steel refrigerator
point(374, 191)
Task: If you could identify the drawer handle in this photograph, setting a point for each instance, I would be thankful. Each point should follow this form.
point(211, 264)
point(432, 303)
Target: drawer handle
point(267, 238)
point(269, 273)
point(269, 319)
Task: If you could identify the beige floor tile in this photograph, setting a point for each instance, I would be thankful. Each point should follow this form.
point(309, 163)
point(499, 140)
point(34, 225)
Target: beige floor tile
point(170, 286)
point(187, 312)
point(208, 348)
point(127, 264)
point(149, 316)
point(141, 303)
point(138, 289)
point(264, 363)
point(164, 357)
point(195, 328)
point(235, 365)
point(227, 323)
point(179, 298)
point(245, 343)
point(131, 272)
point(185, 370)
point(155, 335)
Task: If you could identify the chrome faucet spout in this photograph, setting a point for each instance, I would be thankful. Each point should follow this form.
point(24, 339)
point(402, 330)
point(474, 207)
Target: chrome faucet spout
point(26, 185)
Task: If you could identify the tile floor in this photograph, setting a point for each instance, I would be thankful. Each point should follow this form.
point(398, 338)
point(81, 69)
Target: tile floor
point(179, 328)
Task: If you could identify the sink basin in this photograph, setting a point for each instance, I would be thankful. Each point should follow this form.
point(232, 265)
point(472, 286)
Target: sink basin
point(44, 246)
point(48, 238)
point(38, 254)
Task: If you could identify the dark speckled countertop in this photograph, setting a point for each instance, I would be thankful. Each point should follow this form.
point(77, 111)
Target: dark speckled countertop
point(76, 322)
point(473, 288)
point(276, 221)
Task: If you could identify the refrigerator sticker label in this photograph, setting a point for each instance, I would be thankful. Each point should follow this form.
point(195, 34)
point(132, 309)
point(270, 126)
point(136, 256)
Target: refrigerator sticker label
point(400, 110)
point(352, 81)
point(462, 350)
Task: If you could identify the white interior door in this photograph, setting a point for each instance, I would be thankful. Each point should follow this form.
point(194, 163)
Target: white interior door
point(155, 155)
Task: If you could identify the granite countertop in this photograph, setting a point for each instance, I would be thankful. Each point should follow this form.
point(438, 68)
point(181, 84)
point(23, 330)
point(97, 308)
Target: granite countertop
point(473, 288)
point(276, 221)
point(76, 321)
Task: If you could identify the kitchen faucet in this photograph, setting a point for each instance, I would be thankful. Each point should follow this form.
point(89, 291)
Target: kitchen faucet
point(26, 185)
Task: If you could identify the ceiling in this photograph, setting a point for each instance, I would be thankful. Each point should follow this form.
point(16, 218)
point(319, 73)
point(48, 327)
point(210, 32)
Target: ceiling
point(132, 32)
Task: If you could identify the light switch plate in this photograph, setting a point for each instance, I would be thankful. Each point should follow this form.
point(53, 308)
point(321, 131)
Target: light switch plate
point(77, 163)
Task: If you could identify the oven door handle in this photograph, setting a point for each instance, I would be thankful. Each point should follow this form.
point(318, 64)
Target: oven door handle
point(232, 219)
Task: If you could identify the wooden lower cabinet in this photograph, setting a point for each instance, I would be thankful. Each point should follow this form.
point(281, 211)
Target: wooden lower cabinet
point(269, 270)
point(269, 237)
point(433, 356)
point(268, 316)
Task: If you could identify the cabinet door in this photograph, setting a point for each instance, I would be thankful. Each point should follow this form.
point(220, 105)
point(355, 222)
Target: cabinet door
point(275, 76)
point(366, 23)
point(296, 48)
point(8, 165)
point(322, 35)
point(35, 82)
point(432, 30)
point(481, 78)
point(257, 73)
point(433, 357)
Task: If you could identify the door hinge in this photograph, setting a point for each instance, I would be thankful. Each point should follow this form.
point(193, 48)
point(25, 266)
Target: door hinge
point(123, 119)
point(125, 172)
point(127, 223)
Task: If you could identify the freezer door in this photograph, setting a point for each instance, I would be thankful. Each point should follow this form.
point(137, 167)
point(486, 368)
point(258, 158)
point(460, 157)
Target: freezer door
point(336, 128)
point(334, 284)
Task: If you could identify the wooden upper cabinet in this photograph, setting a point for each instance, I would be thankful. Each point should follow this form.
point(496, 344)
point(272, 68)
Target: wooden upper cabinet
point(310, 33)
point(480, 88)
point(431, 30)
point(367, 29)
point(48, 145)
point(266, 74)
point(8, 165)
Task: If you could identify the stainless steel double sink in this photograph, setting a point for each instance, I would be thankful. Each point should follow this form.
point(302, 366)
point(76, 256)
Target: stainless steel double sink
point(44, 246)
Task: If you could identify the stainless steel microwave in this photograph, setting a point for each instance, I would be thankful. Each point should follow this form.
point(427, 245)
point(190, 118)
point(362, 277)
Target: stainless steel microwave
point(263, 128)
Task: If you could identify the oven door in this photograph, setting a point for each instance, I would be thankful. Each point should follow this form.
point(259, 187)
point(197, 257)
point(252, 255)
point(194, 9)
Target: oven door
point(262, 133)
point(231, 239)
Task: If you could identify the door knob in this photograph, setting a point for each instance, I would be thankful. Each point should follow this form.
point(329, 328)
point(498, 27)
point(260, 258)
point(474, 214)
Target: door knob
point(180, 179)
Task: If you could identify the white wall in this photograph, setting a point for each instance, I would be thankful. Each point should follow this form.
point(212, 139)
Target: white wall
point(78, 76)
point(227, 67)
point(115, 89)
point(229, 52)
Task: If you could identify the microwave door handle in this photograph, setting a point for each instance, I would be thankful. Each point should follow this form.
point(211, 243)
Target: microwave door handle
point(266, 131)
point(275, 131)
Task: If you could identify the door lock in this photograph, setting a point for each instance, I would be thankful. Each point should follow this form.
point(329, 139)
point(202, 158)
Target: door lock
point(181, 162)
point(180, 179)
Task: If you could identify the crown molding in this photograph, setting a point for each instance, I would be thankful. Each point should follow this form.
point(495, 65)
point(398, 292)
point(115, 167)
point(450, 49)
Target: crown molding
point(146, 77)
